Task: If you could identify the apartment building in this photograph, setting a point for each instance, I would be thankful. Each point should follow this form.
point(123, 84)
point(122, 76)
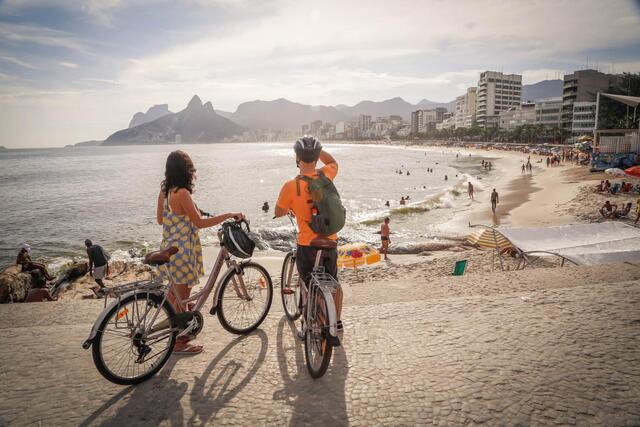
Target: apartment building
point(425, 120)
point(465, 109)
point(496, 92)
point(548, 112)
point(582, 86)
point(364, 123)
point(524, 114)
point(583, 118)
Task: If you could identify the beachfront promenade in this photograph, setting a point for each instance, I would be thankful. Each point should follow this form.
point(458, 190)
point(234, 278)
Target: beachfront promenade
point(563, 347)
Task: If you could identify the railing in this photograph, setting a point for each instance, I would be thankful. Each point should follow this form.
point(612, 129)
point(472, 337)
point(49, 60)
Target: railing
point(619, 144)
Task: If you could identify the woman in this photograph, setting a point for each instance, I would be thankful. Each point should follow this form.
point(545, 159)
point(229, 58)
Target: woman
point(180, 220)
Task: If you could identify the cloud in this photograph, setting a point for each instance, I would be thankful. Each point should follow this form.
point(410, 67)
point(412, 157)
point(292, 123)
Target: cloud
point(27, 33)
point(17, 61)
point(68, 64)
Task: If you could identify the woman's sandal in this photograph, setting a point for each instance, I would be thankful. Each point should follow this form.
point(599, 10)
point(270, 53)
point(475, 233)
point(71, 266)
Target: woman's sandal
point(187, 349)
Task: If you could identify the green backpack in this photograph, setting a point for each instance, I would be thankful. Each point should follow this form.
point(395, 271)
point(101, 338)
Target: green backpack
point(327, 213)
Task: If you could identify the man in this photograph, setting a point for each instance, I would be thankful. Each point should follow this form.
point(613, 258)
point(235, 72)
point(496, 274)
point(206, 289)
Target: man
point(384, 236)
point(295, 197)
point(608, 210)
point(98, 263)
point(470, 190)
point(494, 200)
point(27, 264)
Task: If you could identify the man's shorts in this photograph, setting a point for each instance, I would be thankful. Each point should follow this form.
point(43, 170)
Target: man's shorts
point(306, 259)
point(100, 272)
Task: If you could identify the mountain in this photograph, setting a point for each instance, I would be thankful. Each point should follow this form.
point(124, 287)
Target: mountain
point(426, 104)
point(283, 114)
point(225, 114)
point(542, 89)
point(152, 113)
point(394, 106)
point(196, 123)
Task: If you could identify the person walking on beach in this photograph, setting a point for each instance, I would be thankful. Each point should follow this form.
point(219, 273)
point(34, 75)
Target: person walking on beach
point(470, 190)
point(294, 197)
point(523, 168)
point(494, 200)
point(98, 263)
point(384, 237)
point(181, 220)
point(27, 264)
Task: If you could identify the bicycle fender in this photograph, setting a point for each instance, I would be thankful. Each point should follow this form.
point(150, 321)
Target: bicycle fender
point(333, 316)
point(216, 295)
point(94, 329)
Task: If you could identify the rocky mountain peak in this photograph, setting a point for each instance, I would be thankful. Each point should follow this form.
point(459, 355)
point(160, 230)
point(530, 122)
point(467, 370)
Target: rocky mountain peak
point(195, 102)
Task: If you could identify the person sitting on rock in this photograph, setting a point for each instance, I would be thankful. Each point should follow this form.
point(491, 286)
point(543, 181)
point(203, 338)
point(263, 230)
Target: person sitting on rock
point(24, 260)
point(39, 293)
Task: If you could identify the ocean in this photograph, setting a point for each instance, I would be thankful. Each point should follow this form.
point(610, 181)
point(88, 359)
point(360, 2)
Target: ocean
point(54, 199)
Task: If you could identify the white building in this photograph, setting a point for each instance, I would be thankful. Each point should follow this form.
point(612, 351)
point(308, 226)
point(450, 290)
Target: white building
point(524, 114)
point(549, 112)
point(424, 120)
point(583, 118)
point(465, 110)
point(497, 92)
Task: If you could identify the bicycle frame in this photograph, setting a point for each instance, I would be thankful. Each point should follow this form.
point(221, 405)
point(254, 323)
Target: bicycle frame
point(163, 292)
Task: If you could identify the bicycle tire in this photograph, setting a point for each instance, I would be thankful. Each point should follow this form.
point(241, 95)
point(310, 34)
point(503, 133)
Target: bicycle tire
point(224, 288)
point(98, 358)
point(325, 342)
point(289, 301)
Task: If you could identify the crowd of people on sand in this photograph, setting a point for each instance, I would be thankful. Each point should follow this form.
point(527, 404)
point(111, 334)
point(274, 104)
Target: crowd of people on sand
point(43, 282)
point(623, 187)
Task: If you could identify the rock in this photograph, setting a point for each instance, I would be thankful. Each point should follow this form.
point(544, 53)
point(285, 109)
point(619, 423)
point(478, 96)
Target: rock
point(14, 284)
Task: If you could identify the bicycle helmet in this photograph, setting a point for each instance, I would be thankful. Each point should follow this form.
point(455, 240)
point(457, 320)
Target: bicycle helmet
point(237, 240)
point(307, 149)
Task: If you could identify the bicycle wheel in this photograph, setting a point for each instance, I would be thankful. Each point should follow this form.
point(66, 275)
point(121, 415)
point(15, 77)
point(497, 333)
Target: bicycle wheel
point(237, 313)
point(317, 345)
point(290, 287)
point(121, 352)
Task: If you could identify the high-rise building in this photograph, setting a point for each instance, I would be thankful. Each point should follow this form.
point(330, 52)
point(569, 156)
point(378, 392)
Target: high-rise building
point(425, 120)
point(583, 117)
point(314, 127)
point(582, 86)
point(465, 109)
point(364, 123)
point(549, 112)
point(496, 92)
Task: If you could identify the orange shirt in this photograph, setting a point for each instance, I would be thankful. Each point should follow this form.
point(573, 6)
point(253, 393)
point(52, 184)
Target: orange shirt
point(301, 205)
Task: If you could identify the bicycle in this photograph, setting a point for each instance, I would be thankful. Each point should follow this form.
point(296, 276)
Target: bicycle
point(319, 328)
point(134, 336)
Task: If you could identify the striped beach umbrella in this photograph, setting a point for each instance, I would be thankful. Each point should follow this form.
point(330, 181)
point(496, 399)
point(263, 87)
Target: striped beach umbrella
point(484, 238)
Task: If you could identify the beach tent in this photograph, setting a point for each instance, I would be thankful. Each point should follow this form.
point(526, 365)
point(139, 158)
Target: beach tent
point(583, 244)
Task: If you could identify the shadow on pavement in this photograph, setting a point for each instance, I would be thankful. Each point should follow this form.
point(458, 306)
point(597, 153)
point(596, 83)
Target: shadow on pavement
point(154, 400)
point(316, 402)
point(226, 376)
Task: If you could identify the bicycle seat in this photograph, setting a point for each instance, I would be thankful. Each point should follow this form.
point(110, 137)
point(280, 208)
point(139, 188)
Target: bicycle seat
point(323, 243)
point(160, 257)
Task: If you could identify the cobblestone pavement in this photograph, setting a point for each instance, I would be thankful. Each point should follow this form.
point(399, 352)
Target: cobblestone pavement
point(555, 356)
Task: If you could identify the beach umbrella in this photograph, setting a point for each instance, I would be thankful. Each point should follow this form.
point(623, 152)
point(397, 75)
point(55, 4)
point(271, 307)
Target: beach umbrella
point(485, 238)
point(357, 254)
point(585, 138)
point(633, 171)
point(614, 171)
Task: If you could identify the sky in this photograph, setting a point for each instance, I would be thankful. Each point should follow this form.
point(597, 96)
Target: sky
point(76, 70)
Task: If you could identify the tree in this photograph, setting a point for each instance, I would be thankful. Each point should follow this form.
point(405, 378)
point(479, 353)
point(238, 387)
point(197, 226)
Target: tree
point(614, 114)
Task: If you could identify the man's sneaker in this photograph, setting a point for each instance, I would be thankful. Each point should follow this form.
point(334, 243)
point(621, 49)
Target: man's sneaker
point(337, 341)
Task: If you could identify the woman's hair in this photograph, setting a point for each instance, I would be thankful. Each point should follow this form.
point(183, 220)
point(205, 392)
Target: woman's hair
point(179, 172)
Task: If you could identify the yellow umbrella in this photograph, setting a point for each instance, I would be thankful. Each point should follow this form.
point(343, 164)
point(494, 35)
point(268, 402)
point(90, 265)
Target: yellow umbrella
point(584, 138)
point(357, 254)
point(484, 237)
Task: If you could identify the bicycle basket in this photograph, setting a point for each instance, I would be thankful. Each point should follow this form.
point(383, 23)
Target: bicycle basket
point(237, 241)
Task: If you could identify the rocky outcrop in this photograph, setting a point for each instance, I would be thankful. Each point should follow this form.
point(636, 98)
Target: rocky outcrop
point(14, 285)
point(197, 123)
point(152, 114)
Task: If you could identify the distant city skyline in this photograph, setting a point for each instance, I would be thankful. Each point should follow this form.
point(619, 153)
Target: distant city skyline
point(73, 71)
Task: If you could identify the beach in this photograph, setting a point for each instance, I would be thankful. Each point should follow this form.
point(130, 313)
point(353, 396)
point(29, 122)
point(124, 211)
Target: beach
point(544, 345)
